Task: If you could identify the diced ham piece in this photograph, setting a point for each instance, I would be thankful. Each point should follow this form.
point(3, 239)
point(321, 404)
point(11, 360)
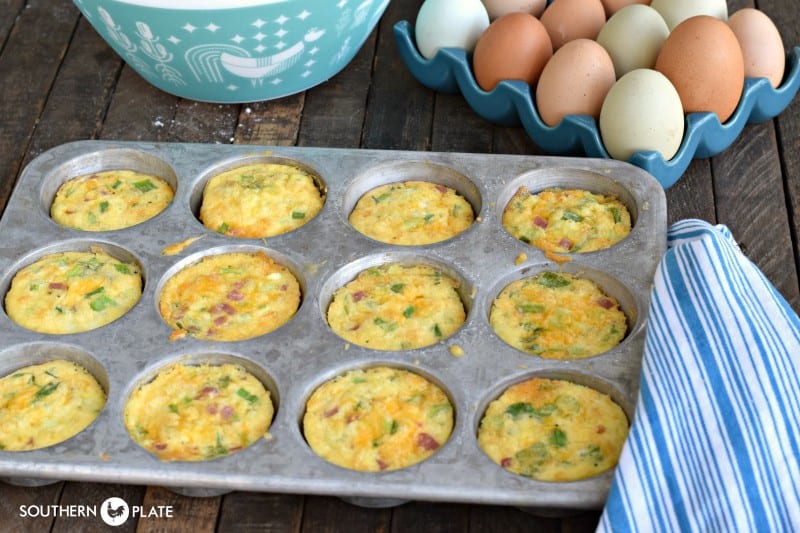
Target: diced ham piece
point(540, 222)
point(235, 295)
point(565, 243)
point(505, 462)
point(601, 429)
point(427, 442)
point(211, 409)
point(57, 286)
point(605, 303)
point(227, 412)
point(358, 296)
point(207, 392)
point(441, 188)
point(330, 412)
point(382, 465)
point(160, 446)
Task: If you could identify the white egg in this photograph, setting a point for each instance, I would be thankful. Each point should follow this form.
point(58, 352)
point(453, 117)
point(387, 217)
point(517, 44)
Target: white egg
point(676, 11)
point(498, 8)
point(449, 24)
point(642, 112)
point(633, 37)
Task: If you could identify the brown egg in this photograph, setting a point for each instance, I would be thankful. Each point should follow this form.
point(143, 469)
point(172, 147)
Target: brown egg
point(498, 8)
point(514, 47)
point(703, 60)
point(575, 81)
point(612, 6)
point(567, 20)
point(762, 46)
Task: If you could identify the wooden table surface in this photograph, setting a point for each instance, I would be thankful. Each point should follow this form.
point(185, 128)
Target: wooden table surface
point(60, 82)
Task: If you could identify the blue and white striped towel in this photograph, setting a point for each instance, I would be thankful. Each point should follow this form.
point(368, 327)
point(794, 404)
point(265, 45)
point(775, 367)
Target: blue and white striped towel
point(715, 440)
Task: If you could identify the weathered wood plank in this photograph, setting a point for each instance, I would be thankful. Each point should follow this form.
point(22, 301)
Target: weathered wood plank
point(13, 518)
point(29, 63)
point(326, 514)
point(201, 122)
point(456, 128)
point(400, 110)
point(430, 517)
point(251, 512)
point(8, 16)
point(334, 111)
point(94, 494)
point(271, 123)
point(77, 103)
point(189, 515)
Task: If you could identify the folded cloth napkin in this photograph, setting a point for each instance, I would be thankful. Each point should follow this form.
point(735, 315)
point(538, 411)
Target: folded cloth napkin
point(714, 444)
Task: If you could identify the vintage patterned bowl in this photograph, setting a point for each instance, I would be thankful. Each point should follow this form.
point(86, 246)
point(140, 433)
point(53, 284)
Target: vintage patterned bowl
point(234, 51)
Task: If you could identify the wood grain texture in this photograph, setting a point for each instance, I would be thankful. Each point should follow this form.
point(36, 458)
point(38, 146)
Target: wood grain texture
point(189, 514)
point(251, 512)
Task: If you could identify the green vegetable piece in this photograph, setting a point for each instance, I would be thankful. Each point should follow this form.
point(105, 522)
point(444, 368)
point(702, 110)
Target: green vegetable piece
point(515, 410)
point(531, 308)
point(298, 215)
point(223, 228)
point(408, 311)
point(436, 331)
point(98, 290)
point(615, 212)
point(397, 287)
point(103, 206)
point(122, 268)
point(569, 215)
point(243, 393)
point(558, 438)
point(173, 408)
point(101, 303)
point(46, 390)
point(116, 184)
point(552, 280)
point(144, 185)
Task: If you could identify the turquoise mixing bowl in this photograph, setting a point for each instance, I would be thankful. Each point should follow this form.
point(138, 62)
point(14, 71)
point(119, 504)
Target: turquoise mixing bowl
point(234, 51)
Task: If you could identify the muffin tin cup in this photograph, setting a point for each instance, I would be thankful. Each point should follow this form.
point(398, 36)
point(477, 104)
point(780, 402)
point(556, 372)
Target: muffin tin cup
point(295, 358)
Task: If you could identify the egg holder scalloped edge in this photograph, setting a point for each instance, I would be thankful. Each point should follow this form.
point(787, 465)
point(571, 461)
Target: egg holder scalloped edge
point(511, 104)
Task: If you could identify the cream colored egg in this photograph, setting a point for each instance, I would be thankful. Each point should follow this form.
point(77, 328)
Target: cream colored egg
point(642, 112)
point(633, 37)
point(575, 81)
point(676, 11)
point(498, 8)
point(762, 47)
point(449, 24)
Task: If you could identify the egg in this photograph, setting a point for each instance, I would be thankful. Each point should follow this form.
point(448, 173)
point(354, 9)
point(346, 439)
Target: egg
point(642, 112)
point(567, 20)
point(498, 8)
point(633, 36)
point(449, 24)
point(612, 6)
point(761, 43)
point(676, 11)
point(575, 81)
point(516, 46)
point(703, 60)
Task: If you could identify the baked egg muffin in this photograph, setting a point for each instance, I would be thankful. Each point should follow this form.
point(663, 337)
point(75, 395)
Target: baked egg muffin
point(260, 200)
point(71, 292)
point(198, 412)
point(558, 316)
point(377, 419)
point(397, 307)
point(229, 297)
point(110, 200)
point(45, 404)
point(411, 213)
point(566, 220)
point(553, 430)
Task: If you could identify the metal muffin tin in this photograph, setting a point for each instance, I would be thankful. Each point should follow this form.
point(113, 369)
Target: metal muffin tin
point(296, 358)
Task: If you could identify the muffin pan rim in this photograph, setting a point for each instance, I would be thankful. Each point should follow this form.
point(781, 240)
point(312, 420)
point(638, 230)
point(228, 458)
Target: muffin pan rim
point(280, 353)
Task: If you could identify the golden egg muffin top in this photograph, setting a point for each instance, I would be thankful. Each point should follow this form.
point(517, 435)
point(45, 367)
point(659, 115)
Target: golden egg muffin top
point(260, 200)
point(377, 419)
point(566, 220)
point(411, 213)
point(229, 297)
point(553, 430)
point(110, 200)
point(397, 307)
point(45, 404)
point(558, 316)
point(196, 412)
point(71, 292)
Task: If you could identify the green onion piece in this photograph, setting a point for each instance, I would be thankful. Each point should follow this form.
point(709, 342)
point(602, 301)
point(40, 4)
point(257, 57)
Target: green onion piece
point(101, 303)
point(144, 185)
point(46, 390)
point(243, 393)
point(298, 215)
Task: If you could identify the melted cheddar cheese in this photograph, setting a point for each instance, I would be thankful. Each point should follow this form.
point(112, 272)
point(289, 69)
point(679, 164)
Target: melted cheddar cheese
point(198, 412)
point(71, 292)
point(260, 200)
point(42, 405)
point(558, 316)
point(411, 213)
point(110, 200)
point(553, 430)
point(377, 419)
point(566, 220)
point(397, 307)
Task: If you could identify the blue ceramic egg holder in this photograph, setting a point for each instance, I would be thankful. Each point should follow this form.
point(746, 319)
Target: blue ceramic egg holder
point(511, 103)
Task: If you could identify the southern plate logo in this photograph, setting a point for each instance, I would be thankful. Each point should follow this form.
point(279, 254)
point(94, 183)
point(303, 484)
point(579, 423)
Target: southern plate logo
point(114, 511)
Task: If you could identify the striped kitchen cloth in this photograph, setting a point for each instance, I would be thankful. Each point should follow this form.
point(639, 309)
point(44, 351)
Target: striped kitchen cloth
point(714, 444)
